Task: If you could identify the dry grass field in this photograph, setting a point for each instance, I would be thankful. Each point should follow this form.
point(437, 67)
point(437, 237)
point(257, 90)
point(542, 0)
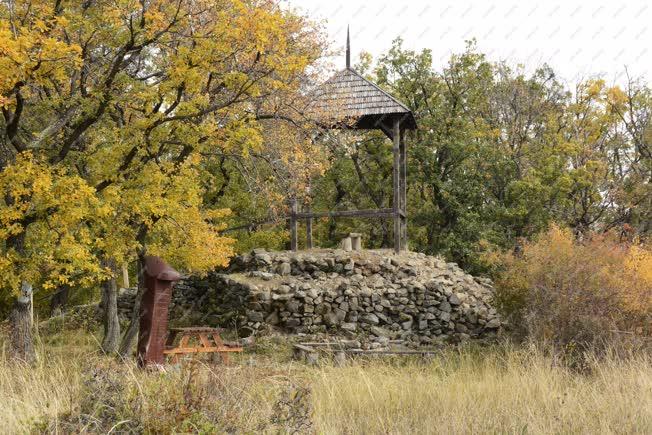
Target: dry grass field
point(73, 389)
point(511, 392)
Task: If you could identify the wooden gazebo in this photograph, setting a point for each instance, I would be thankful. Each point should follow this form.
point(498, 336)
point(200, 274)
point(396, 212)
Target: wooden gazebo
point(350, 101)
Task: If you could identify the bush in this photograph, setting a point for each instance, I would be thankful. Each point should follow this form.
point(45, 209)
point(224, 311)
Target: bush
point(576, 293)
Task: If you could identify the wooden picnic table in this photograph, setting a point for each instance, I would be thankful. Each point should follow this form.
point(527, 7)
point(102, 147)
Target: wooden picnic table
point(198, 340)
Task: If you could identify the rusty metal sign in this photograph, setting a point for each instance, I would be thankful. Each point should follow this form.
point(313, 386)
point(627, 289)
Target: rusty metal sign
point(159, 281)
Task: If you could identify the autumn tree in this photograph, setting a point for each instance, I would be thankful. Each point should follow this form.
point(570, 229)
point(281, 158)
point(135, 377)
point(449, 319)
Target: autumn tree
point(121, 107)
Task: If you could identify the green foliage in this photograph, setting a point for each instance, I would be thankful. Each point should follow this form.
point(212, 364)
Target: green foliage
point(273, 240)
point(498, 155)
point(143, 131)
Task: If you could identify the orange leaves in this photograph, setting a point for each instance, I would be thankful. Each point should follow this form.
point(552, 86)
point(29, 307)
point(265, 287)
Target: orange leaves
point(637, 268)
point(561, 282)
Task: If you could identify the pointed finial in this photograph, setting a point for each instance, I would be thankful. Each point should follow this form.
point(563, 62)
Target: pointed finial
point(348, 49)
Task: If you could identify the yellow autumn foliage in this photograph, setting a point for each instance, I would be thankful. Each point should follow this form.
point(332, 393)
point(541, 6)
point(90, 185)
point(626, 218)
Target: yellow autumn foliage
point(112, 113)
point(60, 242)
point(569, 290)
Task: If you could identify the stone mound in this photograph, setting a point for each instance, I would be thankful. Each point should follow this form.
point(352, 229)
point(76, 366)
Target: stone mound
point(409, 296)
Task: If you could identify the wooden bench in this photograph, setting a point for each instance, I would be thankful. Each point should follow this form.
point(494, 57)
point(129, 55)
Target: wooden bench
point(197, 340)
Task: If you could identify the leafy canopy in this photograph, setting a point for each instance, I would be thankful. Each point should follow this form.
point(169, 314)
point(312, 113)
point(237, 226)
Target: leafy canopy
point(112, 114)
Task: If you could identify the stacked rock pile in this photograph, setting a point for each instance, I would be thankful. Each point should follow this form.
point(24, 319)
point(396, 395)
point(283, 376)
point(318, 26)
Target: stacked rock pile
point(409, 296)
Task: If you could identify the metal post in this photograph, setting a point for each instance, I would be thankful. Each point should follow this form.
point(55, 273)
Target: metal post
point(154, 307)
point(403, 189)
point(396, 138)
point(294, 244)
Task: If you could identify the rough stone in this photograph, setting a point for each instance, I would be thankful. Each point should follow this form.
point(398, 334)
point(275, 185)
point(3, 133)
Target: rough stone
point(445, 307)
point(365, 293)
point(292, 322)
point(493, 323)
point(255, 316)
point(370, 318)
point(284, 269)
point(379, 332)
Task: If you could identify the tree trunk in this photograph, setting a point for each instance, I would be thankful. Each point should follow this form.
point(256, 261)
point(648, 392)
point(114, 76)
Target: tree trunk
point(130, 337)
point(22, 347)
point(111, 320)
point(125, 275)
point(59, 300)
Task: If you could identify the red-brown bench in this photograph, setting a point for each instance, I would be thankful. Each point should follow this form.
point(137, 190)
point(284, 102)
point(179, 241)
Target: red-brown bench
point(197, 340)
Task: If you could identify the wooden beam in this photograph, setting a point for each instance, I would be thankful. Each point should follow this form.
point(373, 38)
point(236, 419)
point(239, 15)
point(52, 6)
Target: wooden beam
point(396, 185)
point(347, 213)
point(392, 352)
point(184, 350)
point(294, 242)
point(309, 234)
point(308, 230)
point(403, 189)
point(382, 212)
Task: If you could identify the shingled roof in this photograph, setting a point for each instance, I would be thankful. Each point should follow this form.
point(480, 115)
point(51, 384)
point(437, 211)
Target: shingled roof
point(348, 96)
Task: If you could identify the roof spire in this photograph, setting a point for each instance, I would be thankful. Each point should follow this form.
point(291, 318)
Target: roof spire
point(348, 49)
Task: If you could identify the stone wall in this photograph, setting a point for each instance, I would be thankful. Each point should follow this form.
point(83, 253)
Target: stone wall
point(409, 296)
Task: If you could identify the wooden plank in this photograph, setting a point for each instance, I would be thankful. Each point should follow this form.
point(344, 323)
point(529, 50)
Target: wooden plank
point(337, 343)
point(347, 213)
point(391, 352)
point(197, 329)
point(396, 187)
point(186, 350)
point(304, 348)
point(204, 340)
point(218, 341)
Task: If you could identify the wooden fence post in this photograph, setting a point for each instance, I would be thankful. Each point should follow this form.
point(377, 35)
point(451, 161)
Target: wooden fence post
point(396, 185)
point(294, 243)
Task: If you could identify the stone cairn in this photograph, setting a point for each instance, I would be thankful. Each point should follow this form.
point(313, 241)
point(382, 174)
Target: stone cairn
point(409, 296)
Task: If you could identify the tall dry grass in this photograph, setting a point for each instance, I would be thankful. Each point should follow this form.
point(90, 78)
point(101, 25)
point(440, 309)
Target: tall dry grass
point(497, 392)
point(75, 389)
point(34, 395)
point(466, 390)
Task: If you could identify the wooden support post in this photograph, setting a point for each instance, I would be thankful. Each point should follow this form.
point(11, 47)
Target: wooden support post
point(294, 243)
point(308, 229)
point(396, 138)
point(403, 190)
